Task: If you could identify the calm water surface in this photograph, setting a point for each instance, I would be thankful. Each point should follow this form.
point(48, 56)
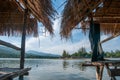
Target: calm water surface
point(55, 69)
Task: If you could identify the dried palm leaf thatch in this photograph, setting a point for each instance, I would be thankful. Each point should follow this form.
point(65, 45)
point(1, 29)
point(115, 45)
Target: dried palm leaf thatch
point(74, 12)
point(11, 20)
point(105, 12)
point(42, 10)
point(110, 28)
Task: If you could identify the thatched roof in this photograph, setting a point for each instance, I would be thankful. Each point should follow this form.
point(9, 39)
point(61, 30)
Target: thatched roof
point(105, 12)
point(42, 10)
point(12, 16)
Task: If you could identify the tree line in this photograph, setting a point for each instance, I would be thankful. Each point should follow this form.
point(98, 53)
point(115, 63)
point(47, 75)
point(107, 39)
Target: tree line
point(82, 53)
point(17, 55)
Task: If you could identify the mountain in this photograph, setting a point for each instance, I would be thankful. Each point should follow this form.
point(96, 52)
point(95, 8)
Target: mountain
point(43, 54)
point(6, 52)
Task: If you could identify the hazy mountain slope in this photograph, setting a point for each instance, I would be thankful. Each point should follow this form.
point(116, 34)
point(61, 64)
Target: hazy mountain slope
point(6, 52)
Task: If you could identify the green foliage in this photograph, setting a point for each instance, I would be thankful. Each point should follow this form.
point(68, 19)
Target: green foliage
point(114, 54)
point(82, 53)
point(65, 54)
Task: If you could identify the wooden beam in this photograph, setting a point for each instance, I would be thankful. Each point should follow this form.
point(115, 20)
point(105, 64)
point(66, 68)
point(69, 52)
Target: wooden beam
point(9, 45)
point(112, 16)
point(109, 38)
point(11, 75)
point(82, 28)
point(20, 8)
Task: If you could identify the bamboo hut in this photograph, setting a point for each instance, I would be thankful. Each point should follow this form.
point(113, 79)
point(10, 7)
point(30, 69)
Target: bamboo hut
point(20, 18)
point(97, 16)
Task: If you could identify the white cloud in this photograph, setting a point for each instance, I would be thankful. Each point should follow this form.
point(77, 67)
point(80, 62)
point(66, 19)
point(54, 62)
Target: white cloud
point(56, 45)
point(69, 47)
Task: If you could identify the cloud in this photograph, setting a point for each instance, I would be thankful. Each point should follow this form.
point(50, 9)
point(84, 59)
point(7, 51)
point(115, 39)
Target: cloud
point(69, 47)
point(56, 45)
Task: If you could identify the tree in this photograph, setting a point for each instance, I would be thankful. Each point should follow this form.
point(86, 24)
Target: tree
point(82, 52)
point(65, 54)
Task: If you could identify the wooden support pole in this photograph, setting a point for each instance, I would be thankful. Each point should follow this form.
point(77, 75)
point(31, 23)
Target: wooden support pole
point(94, 37)
point(22, 57)
point(91, 39)
point(23, 41)
point(99, 72)
point(110, 72)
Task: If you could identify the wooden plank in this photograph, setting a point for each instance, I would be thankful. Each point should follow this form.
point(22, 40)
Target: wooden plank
point(112, 71)
point(14, 74)
point(6, 69)
point(115, 72)
point(20, 72)
point(101, 63)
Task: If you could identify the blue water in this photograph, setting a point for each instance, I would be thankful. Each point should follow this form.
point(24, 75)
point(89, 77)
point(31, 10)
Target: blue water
point(55, 69)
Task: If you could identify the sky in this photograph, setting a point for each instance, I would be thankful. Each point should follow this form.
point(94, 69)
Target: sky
point(54, 45)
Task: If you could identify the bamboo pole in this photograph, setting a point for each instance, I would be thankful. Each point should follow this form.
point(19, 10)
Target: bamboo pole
point(109, 38)
point(22, 57)
point(9, 45)
point(22, 60)
point(23, 41)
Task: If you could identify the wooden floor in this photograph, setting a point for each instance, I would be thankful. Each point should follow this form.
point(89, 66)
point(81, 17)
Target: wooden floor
point(112, 66)
point(10, 73)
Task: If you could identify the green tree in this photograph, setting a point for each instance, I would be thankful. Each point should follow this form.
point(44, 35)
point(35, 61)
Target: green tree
point(65, 54)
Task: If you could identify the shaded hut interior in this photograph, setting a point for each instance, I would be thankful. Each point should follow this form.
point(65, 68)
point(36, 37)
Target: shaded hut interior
point(21, 17)
point(104, 12)
point(99, 16)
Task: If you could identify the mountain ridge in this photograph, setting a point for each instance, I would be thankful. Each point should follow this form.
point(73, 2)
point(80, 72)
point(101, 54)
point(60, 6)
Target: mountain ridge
point(6, 52)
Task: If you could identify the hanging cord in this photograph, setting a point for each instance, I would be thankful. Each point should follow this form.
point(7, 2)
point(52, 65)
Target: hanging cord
point(39, 41)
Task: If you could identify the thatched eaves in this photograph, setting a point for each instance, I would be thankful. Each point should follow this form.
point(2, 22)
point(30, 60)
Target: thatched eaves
point(105, 12)
point(12, 16)
point(42, 10)
point(12, 20)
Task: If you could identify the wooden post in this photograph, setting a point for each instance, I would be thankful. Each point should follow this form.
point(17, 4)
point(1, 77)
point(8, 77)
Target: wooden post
point(109, 72)
point(94, 37)
point(22, 57)
point(99, 72)
point(23, 41)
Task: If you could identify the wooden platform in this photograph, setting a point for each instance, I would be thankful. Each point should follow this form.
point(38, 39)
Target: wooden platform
point(10, 73)
point(112, 66)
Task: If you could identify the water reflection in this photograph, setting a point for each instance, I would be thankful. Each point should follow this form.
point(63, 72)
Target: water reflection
point(73, 64)
point(53, 69)
point(9, 63)
point(65, 64)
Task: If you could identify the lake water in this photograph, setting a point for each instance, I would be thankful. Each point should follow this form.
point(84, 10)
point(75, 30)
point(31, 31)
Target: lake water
point(55, 69)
